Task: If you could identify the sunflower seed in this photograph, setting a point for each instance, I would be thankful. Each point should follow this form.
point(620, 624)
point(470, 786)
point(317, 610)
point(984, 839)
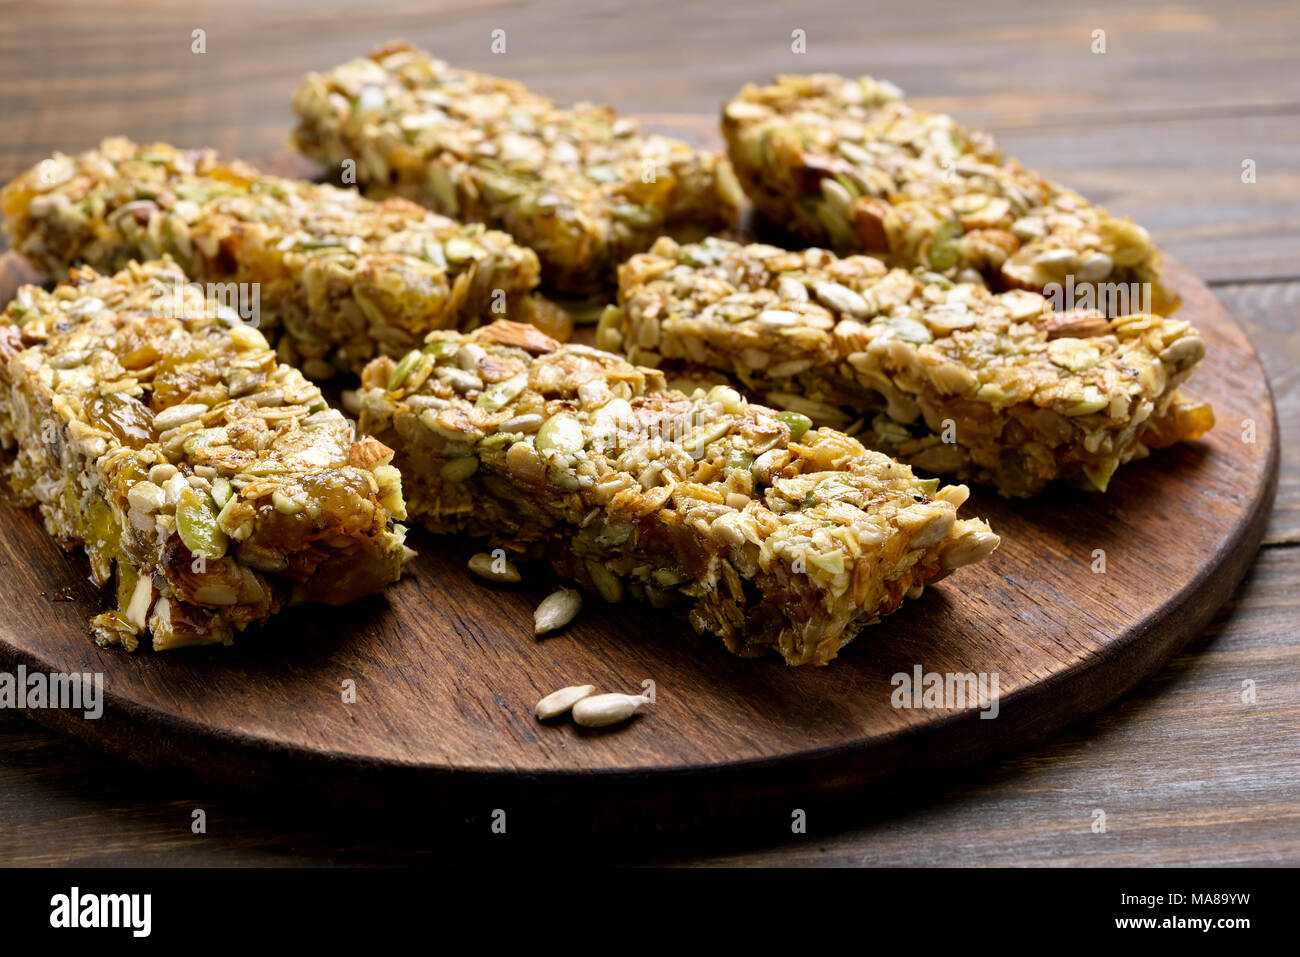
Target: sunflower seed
point(494, 569)
point(606, 709)
point(841, 299)
point(1095, 268)
point(178, 415)
point(556, 610)
point(558, 702)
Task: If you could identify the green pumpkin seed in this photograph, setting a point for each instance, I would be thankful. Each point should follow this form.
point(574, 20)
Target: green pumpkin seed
point(943, 250)
point(796, 422)
point(498, 396)
point(403, 369)
point(196, 521)
point(458, 469)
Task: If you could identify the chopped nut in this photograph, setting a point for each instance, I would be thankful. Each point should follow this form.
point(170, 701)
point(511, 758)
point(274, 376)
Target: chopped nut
point(1076, 324)
point(367, 452)
point(521, 336)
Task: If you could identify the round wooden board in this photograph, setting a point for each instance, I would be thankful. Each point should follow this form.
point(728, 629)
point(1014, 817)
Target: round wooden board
point(447, 671)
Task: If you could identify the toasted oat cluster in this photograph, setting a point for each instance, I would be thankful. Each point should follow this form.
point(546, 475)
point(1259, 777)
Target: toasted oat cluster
point(846, 163)
point(179, 452)
point(584, 187)
point(335, 278)
point(763, 531)
point(995, 388)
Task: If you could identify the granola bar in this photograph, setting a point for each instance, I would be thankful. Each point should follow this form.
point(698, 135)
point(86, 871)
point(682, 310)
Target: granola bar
point(180, 453)
point(336, 278)
point(847, 163)
point(584, 187)
point(994, 388)
point(760, 530)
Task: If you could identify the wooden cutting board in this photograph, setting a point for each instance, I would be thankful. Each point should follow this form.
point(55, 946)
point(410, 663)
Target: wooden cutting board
point(446, 671)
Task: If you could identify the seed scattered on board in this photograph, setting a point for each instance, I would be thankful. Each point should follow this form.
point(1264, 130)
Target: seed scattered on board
point(558, 702)
point(493, 569)
point(556, 610)
point(599, 711)
point(590, 710)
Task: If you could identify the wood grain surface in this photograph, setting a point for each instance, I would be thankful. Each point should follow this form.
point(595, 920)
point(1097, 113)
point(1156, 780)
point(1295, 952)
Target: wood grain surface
point(1157, 128)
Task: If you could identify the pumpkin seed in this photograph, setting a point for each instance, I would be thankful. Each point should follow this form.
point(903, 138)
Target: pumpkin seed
point(403, 369)
point(196, 521)
point(796, 422)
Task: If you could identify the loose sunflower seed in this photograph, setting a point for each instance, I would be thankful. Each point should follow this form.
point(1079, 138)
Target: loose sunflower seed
point(558, 702)
point(494, 569)
point(603, 710)
point(556, 610)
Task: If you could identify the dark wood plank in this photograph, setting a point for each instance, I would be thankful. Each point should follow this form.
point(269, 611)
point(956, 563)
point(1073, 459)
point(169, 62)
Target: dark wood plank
point(1183, 95)
point(1182, 180)
point(1270, 315)
point(116, 61)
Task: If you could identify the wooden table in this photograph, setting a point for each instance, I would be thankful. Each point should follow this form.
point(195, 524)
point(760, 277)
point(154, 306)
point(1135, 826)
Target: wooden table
point(1158, 127)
